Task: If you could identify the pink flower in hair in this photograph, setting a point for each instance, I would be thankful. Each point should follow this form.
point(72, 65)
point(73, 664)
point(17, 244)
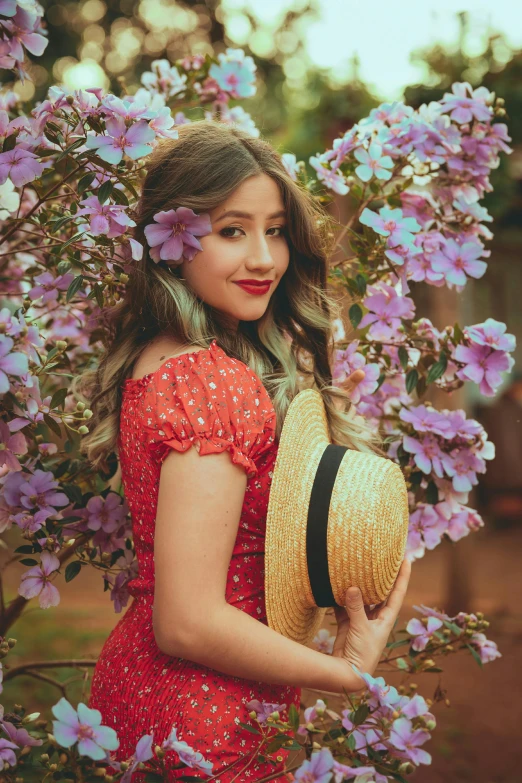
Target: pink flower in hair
point(173, 236)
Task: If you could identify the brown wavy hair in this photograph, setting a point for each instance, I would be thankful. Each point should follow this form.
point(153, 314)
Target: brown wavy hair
point(289, 348)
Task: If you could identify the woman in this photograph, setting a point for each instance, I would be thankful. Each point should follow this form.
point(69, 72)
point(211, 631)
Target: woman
point(198, 360)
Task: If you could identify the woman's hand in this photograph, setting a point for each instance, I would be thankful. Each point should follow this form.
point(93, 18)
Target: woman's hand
point(362, 633)
point(349, 384)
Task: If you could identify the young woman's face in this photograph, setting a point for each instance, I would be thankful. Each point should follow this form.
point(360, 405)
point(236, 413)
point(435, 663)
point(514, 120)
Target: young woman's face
point(247, 245)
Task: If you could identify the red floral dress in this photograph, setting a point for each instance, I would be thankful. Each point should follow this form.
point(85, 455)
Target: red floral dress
point(218, 403)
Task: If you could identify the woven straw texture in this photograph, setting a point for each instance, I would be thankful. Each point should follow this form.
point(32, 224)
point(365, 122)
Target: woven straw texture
point(367, 523)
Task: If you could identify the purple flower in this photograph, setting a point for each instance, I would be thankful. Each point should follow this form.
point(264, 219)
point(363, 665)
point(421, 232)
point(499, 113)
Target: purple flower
point(84, 727)
point(387, 308)
point(414, 707)
point(21, 166)
point(310, 714)
point(381, 694)
point(24, 30)
point(40, 490)
point(392, 224)
point(323, 641)
point(456, 261)
point(108, 219)
point(373, 163)
point(20, 735)
point(483, 366)
point(318, 769)
point(425, 531)
point(7, 755)
point(422, 633)
point(462, 465)
point(487, 649)
point(175, 232)
point(143, 752)
point(492, 334)
point(427, 453)
point(11, 445)
point(426, 419)
point(263, 709)
point(404, 738)
point(48, 286)
point(330, 177)
point(189, 756)
point(342, 772)
point(10, 363)
point(35, 581)
point(464, 104)
point(235, 73)
point(106, 513)
point(289, 161)
point(133, 141)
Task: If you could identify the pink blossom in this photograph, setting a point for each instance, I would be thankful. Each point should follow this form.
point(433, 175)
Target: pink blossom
point(464, 104)
point(492, 334)
point(21, 166)
point(427, 453)
point(422, 633)
point(487, 649)
point(387, 308)
point(106, 513)
point(10, 363)
point(83, 727)
point(173, 237)
point(373, 163)
point(483, 366)
point(12, 444)
point(108, 219)
point(392, 224)
point(405, 738)
point(35, 581)
point(425, 531)
point(49, 286)
point(456, 261)
point(263, 709)
point(462, 465)
point(426, 419)
point(133, 141)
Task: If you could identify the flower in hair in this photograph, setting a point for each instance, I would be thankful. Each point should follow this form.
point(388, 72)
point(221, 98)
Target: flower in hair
point(173, 236)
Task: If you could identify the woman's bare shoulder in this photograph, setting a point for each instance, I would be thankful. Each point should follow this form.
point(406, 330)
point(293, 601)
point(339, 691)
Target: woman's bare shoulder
point(157, 352)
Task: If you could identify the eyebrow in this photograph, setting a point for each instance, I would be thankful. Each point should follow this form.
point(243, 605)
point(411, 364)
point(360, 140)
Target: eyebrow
point(237, 213)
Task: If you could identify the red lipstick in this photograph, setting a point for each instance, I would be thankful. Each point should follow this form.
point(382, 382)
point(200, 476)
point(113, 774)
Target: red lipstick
point(254, 286)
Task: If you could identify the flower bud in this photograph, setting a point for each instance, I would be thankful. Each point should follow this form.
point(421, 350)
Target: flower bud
point(275, 715)
point(83, 430)
point(53, 767)
point(413, 686)
point(61, 345)
point(500, 112)
point(124, 765)
point(51, 739)
point(447, 702)
point(469, 632)
point(340, 740)
point(253, 714)
point(63, 758)
point(31, 717)
point(17, 708)
point(406, 768)
point(279, 758)
point(108, 279)
point(395, 715)
point(124, 278)
point(310, 726)
point(450, 648)
point(99, 772)
point(44, 757)
point(428, 663)
point(485, 623)
point(80, 406)
point(472, 625)
point(447, 632)
point(70, 100)
point(431, 724)
point(159, 752)
point(316, 746)
point(480, 615)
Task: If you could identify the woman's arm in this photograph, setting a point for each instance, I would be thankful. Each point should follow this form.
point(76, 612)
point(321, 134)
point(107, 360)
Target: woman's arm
point(199, 507)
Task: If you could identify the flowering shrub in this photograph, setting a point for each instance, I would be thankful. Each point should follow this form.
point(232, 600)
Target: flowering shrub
point(70, 173)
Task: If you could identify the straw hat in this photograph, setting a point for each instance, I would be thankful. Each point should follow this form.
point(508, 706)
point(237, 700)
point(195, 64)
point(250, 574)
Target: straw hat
point(336, 517)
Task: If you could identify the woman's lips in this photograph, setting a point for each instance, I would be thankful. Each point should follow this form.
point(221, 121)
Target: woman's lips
point(255, 289)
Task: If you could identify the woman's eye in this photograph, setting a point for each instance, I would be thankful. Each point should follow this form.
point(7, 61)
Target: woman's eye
point(236, 228)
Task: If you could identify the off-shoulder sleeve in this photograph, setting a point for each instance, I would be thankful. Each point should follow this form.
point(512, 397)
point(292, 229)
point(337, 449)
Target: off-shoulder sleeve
point(214, 402)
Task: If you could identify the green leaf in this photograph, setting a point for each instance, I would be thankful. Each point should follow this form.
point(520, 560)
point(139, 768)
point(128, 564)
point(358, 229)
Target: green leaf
point(361, 713)
point(402, 664)
point(432, 494)
point(458, 334)
point(56, 225)
point(360, 282)
point(251, 729)
point(350, 741)
point(72, 570)
point(104, 191)
point(70, 241)
point(85, 182)
point(421, 386)
point(74, 146)
point(28, 561)
point(411, 380)
point(436, 371)
point(457, 630)
point(52, 424)
point(403, 357)
point(355, 315)
point(400, 643)
point(293, 714)
point(475, 654)
point(74, 287)
point(10, 142)
point(63, 267)
point(26, 549)
point(58, 398)
point(119, 197)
